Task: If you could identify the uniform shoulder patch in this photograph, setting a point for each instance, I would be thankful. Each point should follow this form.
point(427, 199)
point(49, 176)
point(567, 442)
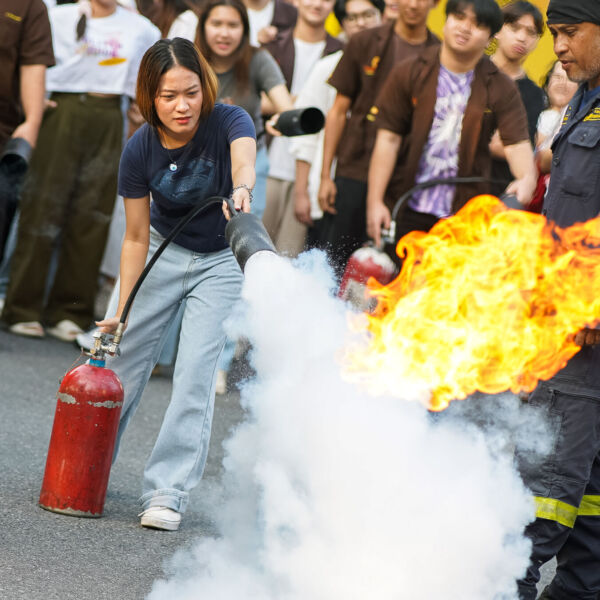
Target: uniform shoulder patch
point(594, 115)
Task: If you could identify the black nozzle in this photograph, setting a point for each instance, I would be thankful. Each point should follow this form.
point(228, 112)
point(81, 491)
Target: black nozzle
point(246, 235)
point(16, 152)
point(300, 121)
point(511, 201)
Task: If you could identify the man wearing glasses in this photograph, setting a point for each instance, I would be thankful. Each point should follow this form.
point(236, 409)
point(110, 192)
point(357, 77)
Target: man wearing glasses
point(523, 26)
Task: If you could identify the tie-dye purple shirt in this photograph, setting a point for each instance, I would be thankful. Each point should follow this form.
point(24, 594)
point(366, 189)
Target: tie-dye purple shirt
point(440, 155)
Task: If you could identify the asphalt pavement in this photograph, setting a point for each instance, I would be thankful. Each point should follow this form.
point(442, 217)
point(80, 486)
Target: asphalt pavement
point(47, 556)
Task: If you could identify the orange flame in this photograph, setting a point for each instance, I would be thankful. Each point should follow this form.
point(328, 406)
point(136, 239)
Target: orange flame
point(487, 301)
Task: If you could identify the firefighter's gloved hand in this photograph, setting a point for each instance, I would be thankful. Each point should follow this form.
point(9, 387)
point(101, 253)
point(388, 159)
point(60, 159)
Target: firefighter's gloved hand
point(587, 337)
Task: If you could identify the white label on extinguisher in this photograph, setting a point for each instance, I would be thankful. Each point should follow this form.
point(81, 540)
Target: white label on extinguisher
point(66, 398)
point(106, 404)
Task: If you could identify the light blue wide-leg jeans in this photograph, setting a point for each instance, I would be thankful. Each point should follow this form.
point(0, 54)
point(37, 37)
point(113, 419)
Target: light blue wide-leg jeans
point(210, 285)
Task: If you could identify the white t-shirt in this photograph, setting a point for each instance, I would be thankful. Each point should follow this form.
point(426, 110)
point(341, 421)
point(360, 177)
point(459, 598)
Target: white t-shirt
point(106, 59)
point(282, 164)
point(129, 5)
point(548, 125)
point(309, 148)
point(184, 26)
point(259, 19)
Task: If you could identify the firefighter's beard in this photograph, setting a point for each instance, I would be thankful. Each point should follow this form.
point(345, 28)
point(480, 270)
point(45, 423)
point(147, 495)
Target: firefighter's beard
point(328, 493)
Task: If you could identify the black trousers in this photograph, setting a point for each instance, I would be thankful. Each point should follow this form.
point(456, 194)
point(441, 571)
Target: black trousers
point(566, 489)
point(341, 234)
point(409, 220)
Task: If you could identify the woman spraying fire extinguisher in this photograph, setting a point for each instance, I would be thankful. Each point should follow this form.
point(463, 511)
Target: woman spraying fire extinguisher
point(190, 149)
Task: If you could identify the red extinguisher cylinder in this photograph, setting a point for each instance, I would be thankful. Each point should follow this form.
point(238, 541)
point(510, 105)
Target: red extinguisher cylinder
point(364, 263)
point(82, 443)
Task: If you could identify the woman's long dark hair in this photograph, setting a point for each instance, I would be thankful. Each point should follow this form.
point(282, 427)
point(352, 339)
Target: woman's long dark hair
point(244, 52)
point(163, 15)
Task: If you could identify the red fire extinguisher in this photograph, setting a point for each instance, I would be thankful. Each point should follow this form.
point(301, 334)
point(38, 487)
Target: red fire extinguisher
point(369, 261)
point(83, 436)
point(364, 263)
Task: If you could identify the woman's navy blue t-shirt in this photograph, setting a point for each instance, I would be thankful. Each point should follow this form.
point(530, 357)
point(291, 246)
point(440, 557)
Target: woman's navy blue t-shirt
point(204, 171)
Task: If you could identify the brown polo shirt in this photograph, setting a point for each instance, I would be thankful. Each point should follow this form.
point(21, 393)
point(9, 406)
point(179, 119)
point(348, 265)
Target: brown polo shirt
point(25, 39)
point(368, 58)
point(406, 106)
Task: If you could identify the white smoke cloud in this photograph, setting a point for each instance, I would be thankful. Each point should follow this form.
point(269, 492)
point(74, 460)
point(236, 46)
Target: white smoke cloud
point(330, 493)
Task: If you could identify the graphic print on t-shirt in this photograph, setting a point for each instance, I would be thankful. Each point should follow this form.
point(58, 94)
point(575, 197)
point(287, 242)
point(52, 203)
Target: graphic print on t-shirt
point(193, 181)
point(440, 156)
point(105, 48)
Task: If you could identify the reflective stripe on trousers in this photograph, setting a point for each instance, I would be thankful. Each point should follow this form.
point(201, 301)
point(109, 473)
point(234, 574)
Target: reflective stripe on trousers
point(563, 513)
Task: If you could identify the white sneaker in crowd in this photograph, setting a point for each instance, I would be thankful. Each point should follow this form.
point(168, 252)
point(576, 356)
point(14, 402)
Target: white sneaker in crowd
point(160, 517)
point(31, 329)
point(65, 330)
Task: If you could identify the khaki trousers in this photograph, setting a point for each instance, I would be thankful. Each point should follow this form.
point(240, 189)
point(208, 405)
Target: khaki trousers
point(287, 233)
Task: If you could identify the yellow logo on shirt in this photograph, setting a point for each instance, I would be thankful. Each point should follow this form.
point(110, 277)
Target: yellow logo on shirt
point(370, 69)
point(594, 115)
point(108, 62)
point(14, 17)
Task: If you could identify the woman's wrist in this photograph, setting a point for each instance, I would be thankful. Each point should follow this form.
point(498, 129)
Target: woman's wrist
point(243, 186)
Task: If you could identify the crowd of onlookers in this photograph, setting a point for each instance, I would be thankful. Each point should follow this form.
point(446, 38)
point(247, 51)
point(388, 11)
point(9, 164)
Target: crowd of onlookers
point(401, 107)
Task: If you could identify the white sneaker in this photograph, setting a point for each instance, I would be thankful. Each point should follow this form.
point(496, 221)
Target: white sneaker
point(221, 384)
point(160, 517)
point(65, 330)
point(86, 339)
point(32, 329)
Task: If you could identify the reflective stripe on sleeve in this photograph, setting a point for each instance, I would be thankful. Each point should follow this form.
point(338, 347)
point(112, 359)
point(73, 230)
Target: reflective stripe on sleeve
point(589, 507)
point(555, 510)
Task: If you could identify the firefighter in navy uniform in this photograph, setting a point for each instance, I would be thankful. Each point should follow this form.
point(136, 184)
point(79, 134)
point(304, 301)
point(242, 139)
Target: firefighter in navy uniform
point(566, 483)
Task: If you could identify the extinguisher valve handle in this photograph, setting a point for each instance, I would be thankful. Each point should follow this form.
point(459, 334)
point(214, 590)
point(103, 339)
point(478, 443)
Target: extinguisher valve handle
point(388, 236)
point(105, 344)
point(113, 349)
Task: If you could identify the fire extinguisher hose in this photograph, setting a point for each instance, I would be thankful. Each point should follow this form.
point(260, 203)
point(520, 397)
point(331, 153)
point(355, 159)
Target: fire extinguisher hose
point(200, 208)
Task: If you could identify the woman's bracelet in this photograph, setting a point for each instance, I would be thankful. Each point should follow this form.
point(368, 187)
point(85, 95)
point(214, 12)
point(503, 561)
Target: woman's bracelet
point(245, 187)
